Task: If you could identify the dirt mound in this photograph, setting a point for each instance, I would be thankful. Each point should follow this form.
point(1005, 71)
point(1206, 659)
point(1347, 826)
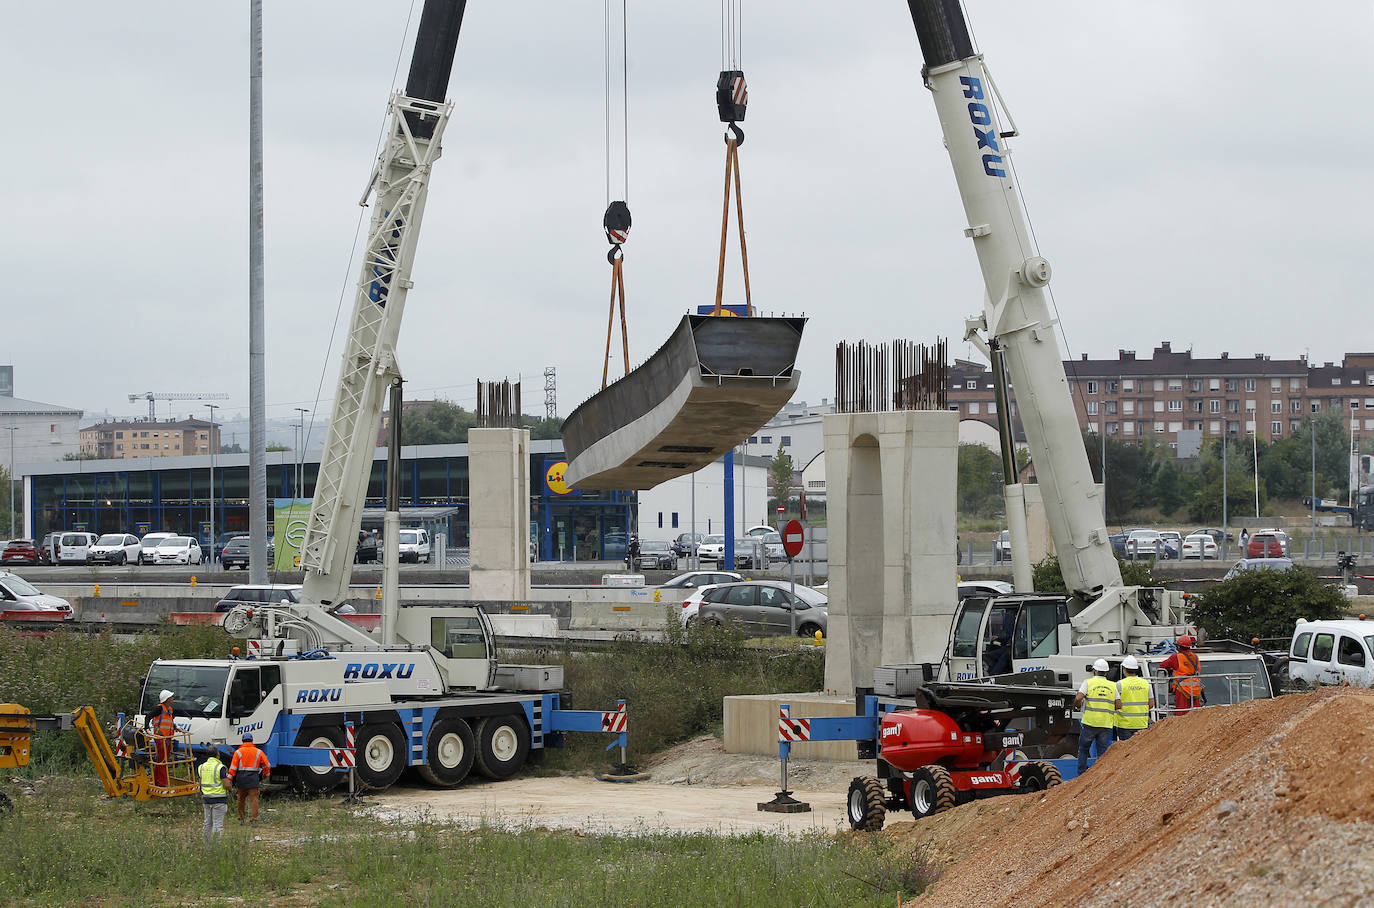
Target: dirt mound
point(1265, 802)
point(703, 761)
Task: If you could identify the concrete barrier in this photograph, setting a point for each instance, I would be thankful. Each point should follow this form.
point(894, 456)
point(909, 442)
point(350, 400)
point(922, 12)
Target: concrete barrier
point(751, 725)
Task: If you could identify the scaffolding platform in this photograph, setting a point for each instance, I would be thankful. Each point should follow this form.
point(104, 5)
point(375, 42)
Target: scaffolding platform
point(708, 388)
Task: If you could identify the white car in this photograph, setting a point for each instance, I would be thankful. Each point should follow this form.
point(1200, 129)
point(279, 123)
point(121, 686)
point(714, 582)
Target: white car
point(1333, 652)
point(1173, 542)
point(413, 545)
point(177, 550)
point(150, 542)
point(16, 595)
point(1200, 545)
point(115, 548)
point(693, 579)
point(73, 547)
point(712, 548)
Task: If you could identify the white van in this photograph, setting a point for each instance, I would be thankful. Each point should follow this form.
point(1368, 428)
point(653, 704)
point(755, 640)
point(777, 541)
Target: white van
point(73, 547)
point(413, 545)
point(1332, 652)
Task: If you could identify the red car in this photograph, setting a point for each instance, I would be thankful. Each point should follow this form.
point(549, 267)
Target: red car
point(21, 551)
point(1265, 545)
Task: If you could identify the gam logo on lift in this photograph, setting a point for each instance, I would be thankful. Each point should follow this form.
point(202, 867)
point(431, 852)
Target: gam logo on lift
point(980, 116)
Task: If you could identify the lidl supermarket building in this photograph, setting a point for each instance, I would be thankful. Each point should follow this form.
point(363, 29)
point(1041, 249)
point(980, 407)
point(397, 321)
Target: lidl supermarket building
point(173, 494)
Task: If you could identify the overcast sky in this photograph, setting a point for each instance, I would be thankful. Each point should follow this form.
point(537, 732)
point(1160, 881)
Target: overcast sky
point(1196, 172)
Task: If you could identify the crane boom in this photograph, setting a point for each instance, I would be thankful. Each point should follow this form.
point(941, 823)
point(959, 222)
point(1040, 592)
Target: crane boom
point(398, 189)
point(1017, 318)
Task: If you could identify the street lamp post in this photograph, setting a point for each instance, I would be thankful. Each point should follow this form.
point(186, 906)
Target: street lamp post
point(11, 430)
point(1254, 452)
point(213, 536)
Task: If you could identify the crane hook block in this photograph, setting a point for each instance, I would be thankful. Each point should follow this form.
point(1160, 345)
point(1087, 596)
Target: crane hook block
point(617, 223)
point(732, 96)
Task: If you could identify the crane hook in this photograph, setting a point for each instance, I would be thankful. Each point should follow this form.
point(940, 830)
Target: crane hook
point(739, 134)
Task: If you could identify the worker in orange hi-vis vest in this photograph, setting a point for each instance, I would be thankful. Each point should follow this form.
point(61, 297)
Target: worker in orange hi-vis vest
point(246, 772)
point(161, 726)
point(1186, 683)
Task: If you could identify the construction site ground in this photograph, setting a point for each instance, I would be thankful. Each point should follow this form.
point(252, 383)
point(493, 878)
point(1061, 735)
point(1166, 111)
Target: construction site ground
point(1266, 803)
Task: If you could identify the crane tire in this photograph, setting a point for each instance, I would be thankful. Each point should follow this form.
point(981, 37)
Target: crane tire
point(449, 753)
point(503, 743)
point(380, 755)
point(931, 791)
point(317, 779)
point(867, 804)
point(1038, 775)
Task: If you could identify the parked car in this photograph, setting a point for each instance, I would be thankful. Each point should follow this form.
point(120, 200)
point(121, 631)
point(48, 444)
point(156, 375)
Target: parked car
point(712, 548)
point(414, 545)
point(696, 579)
point(1200, 546)
point(72, 547)
point(1258, 564)
point(1333, 652)
point(1144, 544)
point(1001, 546)
point(115, 548)
point(18, 595)
point(1217, 534)
point(223, 540)
point(236, 553)
point(1118, 541)
point(760, 530)
point(655, 554)
point(1268, 544)
point(764, 608)
point(772, 547)
point(751, 553)
point(686, 542)
point(178, 550)
point(21, 551)
point(260, 593)
point(969, 589)
point(150, 543)
point(1173, 544)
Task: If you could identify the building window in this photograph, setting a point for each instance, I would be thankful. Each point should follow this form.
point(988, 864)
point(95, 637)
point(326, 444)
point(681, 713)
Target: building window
point(1233, 406)
point(1128, 406)
point(1094, 428)
point(1294, 384)
point(1275, 406)
point(1159, 428)
point(992, 407)
point(1335, 381)
point(675, 520)
point(1294, 406)
point(1197, 406)
point(1316, 406)
point(1197, 384)
point(1293, 427)
point(1111, 428)
point(1276, 385)
point(767, 439)
point(1354, 404)
point(1111, 386)
point(1369, 423)
point(1214, 384)
point(1127, 384)
point(660, 520)
point(1175, 384)
point(1249, 384)
point(1231, 385)
point(1111, 407)
point(1275, 428)
point(1175, 427)
point(974, 408)
point(1213, 406)
point(1092, 408)
point(1159, 384)
point(1092, 387)
point(787, 441)
point(117, 434)
point(1175, 406)
point(971, 385)
point(1249, 427)
point(1214, 426)
point(1195, 425)
point(753, 440)
point(1159, 406)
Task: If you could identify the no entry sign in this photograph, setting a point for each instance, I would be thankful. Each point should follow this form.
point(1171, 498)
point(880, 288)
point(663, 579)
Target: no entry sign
point(793, 538)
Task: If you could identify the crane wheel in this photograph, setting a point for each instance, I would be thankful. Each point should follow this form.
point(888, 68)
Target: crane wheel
point(931, 791)
point(317, 779)
point(1037, 776)
point(381, 755)
point(503, 743)
point(449, 753)
point(867, 806)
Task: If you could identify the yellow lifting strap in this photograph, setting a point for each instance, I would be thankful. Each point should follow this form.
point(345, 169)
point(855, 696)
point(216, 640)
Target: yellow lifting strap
point(732, 167)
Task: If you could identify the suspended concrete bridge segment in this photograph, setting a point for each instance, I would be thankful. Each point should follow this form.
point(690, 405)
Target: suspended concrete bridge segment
point(711, 386)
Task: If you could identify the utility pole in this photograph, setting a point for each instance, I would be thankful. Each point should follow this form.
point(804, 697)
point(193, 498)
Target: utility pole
point(11, 430)
point(1254, 453)
point(213, 537)
point(1312, 425)
point(257, 319)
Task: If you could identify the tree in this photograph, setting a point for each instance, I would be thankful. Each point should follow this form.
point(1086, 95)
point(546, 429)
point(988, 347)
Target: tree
point(276, 447)
point(1048, 578)
point(231, 449)
point(980, 481)
point(1205, 505)
point(780, 476)
point(441, 423)
point(1266, 604)
point(541, 428)
point(1168, 489)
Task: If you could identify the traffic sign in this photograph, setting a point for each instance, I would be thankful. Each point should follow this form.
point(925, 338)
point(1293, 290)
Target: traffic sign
point(781, 508)
point(793, 538)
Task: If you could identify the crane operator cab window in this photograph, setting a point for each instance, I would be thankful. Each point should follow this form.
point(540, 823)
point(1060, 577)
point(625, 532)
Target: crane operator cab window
point(250, 687)
point(458, 637)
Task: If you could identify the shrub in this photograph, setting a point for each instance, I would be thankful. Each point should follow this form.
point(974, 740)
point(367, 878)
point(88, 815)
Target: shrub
point(1048, 578)
point(1265, 604)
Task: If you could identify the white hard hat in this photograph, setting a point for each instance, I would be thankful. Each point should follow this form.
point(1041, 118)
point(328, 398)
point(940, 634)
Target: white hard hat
point(1101, 666)
point(164, 696)
point(1131, 663)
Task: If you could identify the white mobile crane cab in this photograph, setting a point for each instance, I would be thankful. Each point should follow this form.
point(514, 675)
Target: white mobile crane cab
point(1100, 616)
point(426, 692)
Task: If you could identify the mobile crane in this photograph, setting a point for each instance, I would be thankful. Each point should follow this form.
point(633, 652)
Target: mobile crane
point(316, 692)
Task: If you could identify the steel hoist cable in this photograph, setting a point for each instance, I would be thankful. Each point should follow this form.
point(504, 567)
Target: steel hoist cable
point(732, 99)
point(616, 221)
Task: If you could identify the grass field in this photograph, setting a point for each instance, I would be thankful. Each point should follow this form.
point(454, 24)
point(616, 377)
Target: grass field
point(66, 844)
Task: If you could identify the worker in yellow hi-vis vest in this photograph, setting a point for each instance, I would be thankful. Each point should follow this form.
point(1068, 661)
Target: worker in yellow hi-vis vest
point(1099, 700)
point(1136, 700)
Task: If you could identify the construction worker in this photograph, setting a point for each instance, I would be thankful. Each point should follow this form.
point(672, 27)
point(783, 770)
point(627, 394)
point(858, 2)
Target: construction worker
point(1136, 700)
point(246, 770)
point(1186, 684)
point(1099, 700)
point(161, 726)
point(214, 795)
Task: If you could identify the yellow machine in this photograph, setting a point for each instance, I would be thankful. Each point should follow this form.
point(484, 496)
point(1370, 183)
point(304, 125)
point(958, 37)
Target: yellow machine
point(172, 775)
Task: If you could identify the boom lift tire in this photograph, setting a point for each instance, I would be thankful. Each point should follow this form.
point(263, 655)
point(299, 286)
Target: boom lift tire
point(503, 743)
point(867, 805)
point(1037, 776)
point(317, 779)
point(381, 755)
point(932, 790)
point(449, 754)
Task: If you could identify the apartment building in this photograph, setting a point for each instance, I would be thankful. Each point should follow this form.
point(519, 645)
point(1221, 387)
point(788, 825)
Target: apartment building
point(1175, 395)
point(149, 438)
